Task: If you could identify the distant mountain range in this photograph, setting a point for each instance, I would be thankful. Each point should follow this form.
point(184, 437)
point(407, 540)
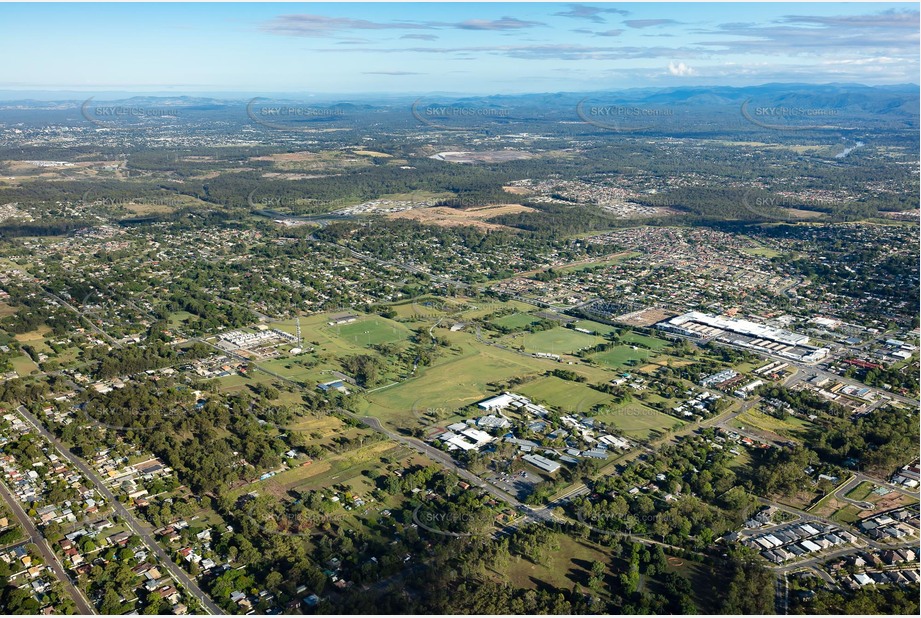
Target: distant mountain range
point(837, 96)
point(852, 106)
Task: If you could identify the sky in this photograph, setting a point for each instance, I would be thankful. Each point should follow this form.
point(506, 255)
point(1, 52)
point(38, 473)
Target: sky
point(468, 48)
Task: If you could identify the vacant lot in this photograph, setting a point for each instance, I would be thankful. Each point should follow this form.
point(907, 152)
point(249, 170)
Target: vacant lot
point(35, 335)
point(791, 427)
point(456, 382)
point(441, 215)
point(460, 377)
point(638, 421)
point(567, 567)
point(23, 365)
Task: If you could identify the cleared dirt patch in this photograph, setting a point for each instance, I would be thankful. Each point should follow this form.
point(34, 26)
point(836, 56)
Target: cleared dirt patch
point(644, 317)
point(442, 215)
point(289, 156)
point(485, 156)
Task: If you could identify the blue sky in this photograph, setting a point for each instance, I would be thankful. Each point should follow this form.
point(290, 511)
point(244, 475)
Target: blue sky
point(459, 48)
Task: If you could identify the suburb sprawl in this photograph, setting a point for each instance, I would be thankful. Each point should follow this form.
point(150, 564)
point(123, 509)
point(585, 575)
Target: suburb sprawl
point(373, 364)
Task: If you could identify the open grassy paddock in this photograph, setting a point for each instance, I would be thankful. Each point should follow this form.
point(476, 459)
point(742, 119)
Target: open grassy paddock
point(638, 421)
point(23, 365)
point(791, 427)
point(350, 468)
point(458, 378)
point(563, 394)
point(6, 310)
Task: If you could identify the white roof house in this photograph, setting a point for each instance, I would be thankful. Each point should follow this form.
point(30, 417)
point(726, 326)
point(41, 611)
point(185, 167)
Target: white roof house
point(810, 546)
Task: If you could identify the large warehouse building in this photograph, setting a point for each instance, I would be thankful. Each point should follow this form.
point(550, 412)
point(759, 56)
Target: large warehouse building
point(745, 333)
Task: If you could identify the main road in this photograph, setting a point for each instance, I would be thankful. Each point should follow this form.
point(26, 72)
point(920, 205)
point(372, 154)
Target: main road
point(83, 605)
point(132, 522)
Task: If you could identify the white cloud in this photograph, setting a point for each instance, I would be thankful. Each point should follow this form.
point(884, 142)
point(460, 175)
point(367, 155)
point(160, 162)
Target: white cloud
point(680, 69)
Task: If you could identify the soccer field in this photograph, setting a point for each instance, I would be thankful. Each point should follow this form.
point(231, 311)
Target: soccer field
point(515, 320)
point(558, 341)
point(370, 331)
point(619, 356)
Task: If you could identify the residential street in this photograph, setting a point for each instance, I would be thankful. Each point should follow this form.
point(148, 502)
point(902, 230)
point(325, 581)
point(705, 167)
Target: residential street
point(136, 526)
point(83, 605)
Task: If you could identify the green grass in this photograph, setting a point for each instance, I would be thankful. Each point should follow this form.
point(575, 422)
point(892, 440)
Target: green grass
point(178, 318)
point(653, 343)
point(23, 365)
point(762, 251)
point(290, 368)
point(420, 307)
point(457, 379)
point(621, 356)
point(563, 394)
point(515, 321)
point(462, 376)
point(557, 341)
point(344, 468)
point(371, 331)
point(638, 421)
point(475, 309)
point(861, 492)
point(597, 327)
point(847, 515)
point(569, 565)
point(789, 427)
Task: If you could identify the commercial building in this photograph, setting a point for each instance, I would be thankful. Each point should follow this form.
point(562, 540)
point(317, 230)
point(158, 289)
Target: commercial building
point(547, 465)
point(745, 333)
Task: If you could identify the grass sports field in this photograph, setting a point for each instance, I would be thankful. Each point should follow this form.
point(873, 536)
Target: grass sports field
point(558, 341)
point(370, 331)
point(596, 327)
point(515, 320)
point(652, 343)
point(621, 356)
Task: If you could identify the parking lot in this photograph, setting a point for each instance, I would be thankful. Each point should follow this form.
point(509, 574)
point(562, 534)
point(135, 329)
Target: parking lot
point(519, 484)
